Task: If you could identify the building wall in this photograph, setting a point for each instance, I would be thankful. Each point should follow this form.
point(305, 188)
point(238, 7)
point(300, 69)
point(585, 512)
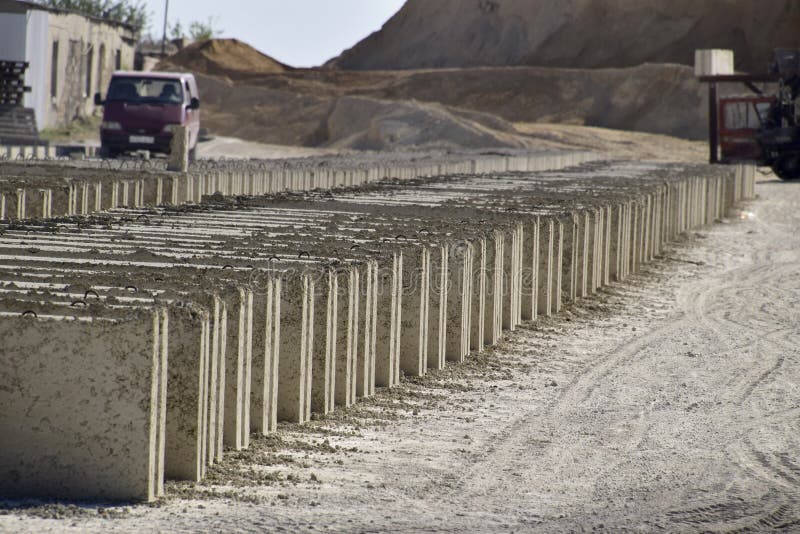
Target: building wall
point(12, 36)
point(88, 52)
point(36, 46)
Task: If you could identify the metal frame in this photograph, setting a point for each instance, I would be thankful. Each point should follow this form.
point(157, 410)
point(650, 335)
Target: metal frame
point(749, 80)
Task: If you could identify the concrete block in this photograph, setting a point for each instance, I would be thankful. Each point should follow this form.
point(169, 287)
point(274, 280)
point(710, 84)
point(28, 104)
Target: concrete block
point(493, 320)
point(529, 273)
point(296, 347)
point(572, 259)
point(437, 313)
point(389, 313)
point(512, 269)
point(478, 311)
point(459, 301)
point(238, 370)
point(508, 280)
point(187, 395)
point(416, 306)
point(546, 267)
point(215, 382)
point(323, 362)
point(368, 312)
point(607, 210)
point(348, 340)
point(583, 253)
point(559, 257)
point(713, 62)
point(83, 407)
point(266, 343)
point(179, 150)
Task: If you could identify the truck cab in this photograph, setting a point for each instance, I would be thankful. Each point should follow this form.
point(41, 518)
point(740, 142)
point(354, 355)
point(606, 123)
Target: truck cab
point(141, 109)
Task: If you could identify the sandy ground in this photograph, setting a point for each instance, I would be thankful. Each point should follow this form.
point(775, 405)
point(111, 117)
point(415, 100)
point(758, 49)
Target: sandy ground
point(617, 143)
point(233, 148)
point(667, 403)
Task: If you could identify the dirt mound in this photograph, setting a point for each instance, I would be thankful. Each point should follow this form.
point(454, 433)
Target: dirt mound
point(369, 124)
point(663, 99)
point(285, 117)
point(294, 108)
point(223, 57)
point(575, 33)
point(262, 114)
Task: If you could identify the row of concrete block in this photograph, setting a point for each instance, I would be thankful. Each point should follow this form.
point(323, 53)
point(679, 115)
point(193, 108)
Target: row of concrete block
point(141, 344)
point(99, 191)
point(37, 152)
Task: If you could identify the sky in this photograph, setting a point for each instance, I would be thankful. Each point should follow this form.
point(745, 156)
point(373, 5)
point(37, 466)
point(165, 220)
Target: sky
point(300, 33)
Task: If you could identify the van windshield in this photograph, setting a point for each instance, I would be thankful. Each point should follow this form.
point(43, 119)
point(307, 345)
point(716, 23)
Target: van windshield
point(145, 90)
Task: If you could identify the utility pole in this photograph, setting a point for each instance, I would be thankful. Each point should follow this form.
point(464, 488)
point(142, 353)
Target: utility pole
point(164, 35)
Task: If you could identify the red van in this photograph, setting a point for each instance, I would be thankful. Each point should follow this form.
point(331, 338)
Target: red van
point(141, 108)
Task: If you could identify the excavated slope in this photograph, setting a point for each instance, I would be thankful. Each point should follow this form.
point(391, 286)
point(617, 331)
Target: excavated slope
point(458, 107)
point(575, 33)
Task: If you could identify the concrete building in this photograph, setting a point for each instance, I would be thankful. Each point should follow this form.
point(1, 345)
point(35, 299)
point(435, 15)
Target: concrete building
point(71, 56)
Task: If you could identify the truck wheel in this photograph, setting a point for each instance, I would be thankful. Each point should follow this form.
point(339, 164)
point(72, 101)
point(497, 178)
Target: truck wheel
point(788, 167)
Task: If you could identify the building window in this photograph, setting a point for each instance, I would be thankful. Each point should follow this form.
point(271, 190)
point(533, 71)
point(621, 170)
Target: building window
point(101, 67)
point(54, 71)
point(118, 60)
point(89, 66)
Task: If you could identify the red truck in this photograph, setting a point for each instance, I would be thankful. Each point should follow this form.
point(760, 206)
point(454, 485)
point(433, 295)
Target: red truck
point(141, 109)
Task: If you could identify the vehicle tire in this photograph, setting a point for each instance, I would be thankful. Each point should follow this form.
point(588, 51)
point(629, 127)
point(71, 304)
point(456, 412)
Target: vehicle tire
point(192, 154)
point(788, 167)
point(107, 152)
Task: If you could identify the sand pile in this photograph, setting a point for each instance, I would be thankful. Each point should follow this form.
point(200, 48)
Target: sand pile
point(262, 114)
point(368, 124)
point(575, 33)
point(278, 116)
point(224, 57)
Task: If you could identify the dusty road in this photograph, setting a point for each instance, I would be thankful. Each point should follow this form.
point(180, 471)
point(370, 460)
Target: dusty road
point(669, 403)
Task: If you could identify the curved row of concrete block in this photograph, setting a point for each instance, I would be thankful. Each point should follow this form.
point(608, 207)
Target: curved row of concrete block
point(23, 195)
point(142, 343)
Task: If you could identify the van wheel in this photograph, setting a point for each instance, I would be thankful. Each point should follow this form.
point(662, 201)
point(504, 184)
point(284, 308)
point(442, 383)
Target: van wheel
point(107, 152)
